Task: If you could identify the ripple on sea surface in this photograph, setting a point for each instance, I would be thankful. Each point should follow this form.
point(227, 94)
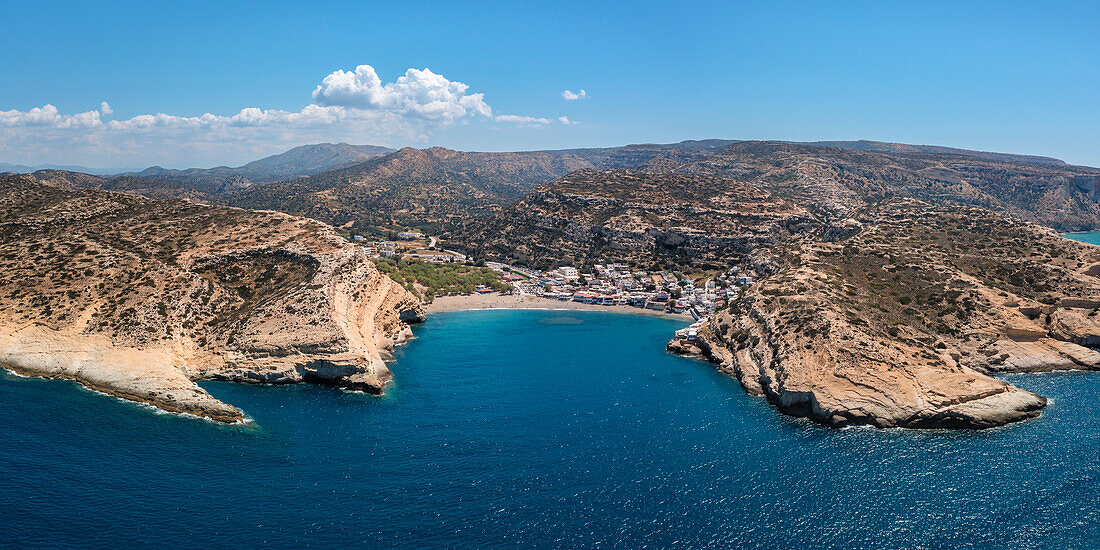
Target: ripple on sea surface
point(504, 429)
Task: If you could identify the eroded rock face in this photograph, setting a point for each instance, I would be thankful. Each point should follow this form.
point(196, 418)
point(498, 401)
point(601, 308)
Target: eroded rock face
point(903, 323)
point(847, 376)
point(139, 298)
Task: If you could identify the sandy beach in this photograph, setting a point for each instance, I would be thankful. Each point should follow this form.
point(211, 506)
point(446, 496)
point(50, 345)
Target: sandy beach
point(512, 301)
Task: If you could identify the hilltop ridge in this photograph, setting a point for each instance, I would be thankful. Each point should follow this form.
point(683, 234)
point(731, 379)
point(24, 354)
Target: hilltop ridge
point(676, 205)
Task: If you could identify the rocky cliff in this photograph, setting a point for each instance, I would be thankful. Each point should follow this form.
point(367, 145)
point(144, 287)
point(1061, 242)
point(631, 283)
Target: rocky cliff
point(902, 320)
point(140, 298)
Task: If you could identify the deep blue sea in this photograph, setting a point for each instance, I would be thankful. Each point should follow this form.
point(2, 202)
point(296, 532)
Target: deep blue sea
point(537, 429)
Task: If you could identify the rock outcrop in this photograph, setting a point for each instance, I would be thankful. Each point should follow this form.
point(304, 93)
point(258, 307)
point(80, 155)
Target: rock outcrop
point(140, 298)
point(903, 323)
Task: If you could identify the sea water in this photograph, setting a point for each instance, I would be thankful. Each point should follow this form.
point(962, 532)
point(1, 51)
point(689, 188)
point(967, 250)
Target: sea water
point(537, 429)
point(1091, 237)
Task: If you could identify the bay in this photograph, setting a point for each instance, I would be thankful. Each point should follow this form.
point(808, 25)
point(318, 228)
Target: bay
point(537, 429)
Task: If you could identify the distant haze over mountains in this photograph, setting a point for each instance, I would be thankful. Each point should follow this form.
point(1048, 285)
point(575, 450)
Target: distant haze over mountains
point(886, 147)
point(443, 191)
point(305, 160)
point(25, 169)
point(299, 161)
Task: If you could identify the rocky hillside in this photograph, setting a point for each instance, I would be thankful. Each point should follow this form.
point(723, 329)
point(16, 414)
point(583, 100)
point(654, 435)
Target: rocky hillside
point(140, 298)
point(833, 182)
point(440, 189)
point(413, 187)
point(640, 217)
point(700, 207)
point(899, 317)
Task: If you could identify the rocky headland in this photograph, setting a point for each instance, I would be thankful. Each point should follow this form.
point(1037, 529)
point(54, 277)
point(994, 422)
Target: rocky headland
point(140, 298)
point(902, 319)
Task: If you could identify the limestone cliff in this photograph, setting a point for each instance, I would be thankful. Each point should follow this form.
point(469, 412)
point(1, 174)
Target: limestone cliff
point(140, 298)
point(903, 322)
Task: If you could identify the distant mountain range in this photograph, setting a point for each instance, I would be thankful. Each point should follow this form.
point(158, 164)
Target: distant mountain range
point(443, 190)
point(299, 161)
point(25, 169)
point(886, 147)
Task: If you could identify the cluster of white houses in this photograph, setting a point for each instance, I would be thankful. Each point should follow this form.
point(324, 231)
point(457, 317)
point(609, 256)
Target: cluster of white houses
point(612, 284)
point(618, 284)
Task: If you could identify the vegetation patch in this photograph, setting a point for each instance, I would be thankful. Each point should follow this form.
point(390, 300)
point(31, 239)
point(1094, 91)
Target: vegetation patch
point(429, 280)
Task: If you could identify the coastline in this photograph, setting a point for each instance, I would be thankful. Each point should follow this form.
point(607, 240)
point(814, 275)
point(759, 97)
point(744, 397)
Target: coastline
point(513, 301)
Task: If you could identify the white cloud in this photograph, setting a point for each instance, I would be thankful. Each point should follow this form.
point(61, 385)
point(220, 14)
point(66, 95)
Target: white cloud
point(565, 120)
point(47, 116)
point(353, 106)
point(523, 120)
point(419, 92)
point(570, 96)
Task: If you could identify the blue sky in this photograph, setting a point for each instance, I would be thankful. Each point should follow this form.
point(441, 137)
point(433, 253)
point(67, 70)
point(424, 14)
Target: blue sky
point(1004, 76)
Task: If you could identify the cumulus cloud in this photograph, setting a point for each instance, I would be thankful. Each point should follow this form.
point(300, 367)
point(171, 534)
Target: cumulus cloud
point(351, 105)
point(570, 96)
point(565, 120)
point(48, 116)
point(420, 93)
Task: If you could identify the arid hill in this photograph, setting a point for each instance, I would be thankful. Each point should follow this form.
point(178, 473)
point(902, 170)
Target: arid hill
point(412, 187)
point(672, 204)
point(833, 181)
point(899, 319)
point(442, 190)
point(639, 217)
point(139, 297)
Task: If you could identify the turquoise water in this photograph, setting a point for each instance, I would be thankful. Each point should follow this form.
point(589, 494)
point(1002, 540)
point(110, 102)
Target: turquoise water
point(537, 429)
point(1091, 237)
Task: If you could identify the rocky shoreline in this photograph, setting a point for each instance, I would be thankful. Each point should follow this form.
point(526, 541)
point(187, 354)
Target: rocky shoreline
point(140, 298)
point(831, 332)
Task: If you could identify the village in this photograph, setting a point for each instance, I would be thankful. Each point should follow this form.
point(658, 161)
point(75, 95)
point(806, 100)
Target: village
point(605, 284)
point(616, 284)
